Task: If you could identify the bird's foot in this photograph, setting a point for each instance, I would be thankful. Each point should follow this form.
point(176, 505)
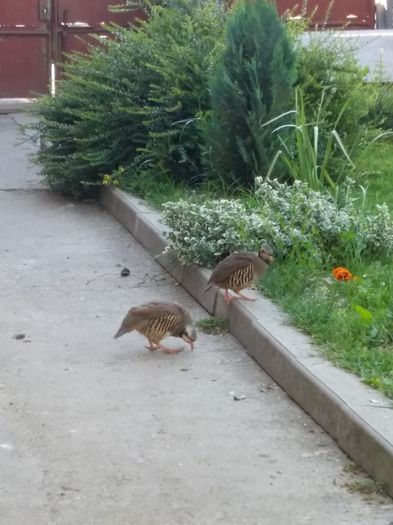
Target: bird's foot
point(152, 346)
point(245, 298)
point(167, 350)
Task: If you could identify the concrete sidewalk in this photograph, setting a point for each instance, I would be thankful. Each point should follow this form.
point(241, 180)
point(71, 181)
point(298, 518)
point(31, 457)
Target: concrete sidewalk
point(101, 431)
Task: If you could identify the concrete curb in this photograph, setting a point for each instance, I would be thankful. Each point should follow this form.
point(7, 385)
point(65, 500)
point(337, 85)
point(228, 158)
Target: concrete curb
point(356, 416)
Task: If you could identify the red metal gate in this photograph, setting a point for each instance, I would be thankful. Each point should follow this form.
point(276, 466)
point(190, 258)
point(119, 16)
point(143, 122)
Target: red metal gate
point(354, 13)
point(24, 49)
point(34, 34)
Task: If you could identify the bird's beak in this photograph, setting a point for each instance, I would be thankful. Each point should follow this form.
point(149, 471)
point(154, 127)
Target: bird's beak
point(121, 331)
point(188, 341)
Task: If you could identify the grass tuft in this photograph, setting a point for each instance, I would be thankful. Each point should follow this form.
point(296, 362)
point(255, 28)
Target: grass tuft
point(366, 487)
point(213, 325)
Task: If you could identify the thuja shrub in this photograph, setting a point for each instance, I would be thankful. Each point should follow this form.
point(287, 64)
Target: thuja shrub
point(252, 85)
point(132, 101)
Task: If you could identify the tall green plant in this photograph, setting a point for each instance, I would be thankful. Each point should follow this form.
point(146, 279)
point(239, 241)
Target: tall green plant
point(310, 151)
point(252, 85)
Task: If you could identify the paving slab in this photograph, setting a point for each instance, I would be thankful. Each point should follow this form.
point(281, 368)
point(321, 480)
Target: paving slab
point(97, 431)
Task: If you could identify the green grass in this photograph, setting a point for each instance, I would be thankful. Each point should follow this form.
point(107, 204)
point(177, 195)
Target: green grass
point(375, 170)
point(155, 190)
point(363, 484)
point(351, 321)
point(366, 487)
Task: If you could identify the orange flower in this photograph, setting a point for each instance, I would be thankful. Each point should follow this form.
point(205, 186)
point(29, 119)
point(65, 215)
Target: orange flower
point(342, 274)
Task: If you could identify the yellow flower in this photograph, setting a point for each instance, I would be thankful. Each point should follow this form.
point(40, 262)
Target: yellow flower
point(108, 180)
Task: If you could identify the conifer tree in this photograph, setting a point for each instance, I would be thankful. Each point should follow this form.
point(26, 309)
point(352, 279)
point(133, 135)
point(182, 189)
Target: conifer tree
point(253, 84)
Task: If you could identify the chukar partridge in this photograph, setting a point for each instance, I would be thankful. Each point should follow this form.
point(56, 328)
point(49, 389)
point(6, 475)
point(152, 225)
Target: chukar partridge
point(157, 320)
point(239, 270)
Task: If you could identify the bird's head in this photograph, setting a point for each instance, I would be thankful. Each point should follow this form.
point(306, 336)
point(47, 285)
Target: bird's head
point(266, 253)
point(189, 335)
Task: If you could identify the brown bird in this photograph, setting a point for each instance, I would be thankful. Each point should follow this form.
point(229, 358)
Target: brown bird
point(239, 270)
point(158, 320)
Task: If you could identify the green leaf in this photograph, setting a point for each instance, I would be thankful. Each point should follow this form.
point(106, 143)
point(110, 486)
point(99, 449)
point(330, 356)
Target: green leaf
point(365, 315)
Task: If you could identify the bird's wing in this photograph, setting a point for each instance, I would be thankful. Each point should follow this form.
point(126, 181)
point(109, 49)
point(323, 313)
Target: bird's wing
point(230, 265)
point(153, 310)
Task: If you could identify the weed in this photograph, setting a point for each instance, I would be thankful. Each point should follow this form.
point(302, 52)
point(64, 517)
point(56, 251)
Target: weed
point(366, 487)
point(353, 468)
point(213, 325)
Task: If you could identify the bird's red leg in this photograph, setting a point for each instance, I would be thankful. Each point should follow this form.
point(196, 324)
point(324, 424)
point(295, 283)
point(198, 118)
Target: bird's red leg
point(167, 350)
point(229, 298)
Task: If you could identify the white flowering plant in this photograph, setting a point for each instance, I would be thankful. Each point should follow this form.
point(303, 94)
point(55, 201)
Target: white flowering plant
point(294, 219)
point(204, 233)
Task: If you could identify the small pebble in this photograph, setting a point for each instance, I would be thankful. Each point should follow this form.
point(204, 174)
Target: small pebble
point(18, 336)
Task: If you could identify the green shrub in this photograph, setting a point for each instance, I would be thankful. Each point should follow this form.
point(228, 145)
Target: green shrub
point(94, 123)
point(381, 113)
point(333, 94)
point(327, 65)
point(253, 84)
point(182, 58)
point(119, 105)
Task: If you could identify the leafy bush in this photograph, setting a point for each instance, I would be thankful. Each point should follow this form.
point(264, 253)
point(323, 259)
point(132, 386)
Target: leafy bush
point(252, 85)
point(327, 65)
point(118, 105)
point(182, 58)
point(382, 110)
point(93, 124)
point(295, 219)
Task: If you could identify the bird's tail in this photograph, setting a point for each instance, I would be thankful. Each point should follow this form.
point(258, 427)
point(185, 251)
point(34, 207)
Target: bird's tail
point(121, 331)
